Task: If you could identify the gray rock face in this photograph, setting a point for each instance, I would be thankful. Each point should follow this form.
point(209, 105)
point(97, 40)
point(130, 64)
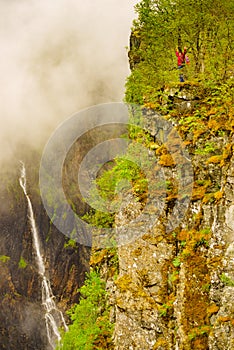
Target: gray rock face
point(175, 290)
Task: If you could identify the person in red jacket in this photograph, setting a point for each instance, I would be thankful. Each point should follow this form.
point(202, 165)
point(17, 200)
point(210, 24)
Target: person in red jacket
point(181, 61)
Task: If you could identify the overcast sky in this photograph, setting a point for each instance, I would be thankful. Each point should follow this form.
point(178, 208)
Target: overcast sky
point(58, 57)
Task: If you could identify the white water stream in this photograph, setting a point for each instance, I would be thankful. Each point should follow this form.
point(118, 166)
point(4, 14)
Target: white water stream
point(53, 317)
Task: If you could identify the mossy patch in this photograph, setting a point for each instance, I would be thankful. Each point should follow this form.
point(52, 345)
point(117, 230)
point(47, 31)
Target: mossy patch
point(22, 263)
point(167, 160)
point(124, 282)
point(4, 258)
point(161, 344)
point(212, 309)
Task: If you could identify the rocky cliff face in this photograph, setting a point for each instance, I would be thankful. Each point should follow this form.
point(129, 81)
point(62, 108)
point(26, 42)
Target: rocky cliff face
point(22, 315)
point(175, 290)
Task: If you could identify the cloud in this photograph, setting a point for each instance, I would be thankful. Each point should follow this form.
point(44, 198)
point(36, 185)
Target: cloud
point(58, 57)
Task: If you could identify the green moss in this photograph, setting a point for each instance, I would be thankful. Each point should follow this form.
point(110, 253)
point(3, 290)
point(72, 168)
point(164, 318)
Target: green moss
point(71, 243)
point(226, 280)
point(166, 309)
point(208, 148)
point(176, 262)
point(198, 332)
point(4, 258)
point(206, 287)
point(173, 277)
point(22, 263)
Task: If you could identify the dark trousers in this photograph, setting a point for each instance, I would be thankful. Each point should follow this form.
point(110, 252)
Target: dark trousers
point(181, 75)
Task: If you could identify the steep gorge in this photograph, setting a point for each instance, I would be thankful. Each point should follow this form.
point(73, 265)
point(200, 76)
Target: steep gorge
point(22, 315)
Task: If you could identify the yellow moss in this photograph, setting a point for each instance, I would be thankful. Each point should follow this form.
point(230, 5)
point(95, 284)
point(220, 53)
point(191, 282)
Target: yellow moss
point(198, 192)
point(151, 105)
point(153, 146)
point(228, 150)
point(208, 197)
point(161, 150)
point(213, 125)
point(161, 342)
point(152, 239)
point(97, 257)
point(227, 153)
point(137, 252)
point(212, 111)
point(200, 343)
point(203, 329)
point(123, 282)
point(218, 195)
point(196, 301)
point(198, 217)
point(222, 319)
point(215, 159)
point(198, 132)
point(166, 160)
point(199, 235)
point(166, 308)
point(183, 235)
point(212, 309)
point(193, 238)
point(143, 276)
point(215, 261)
point(140, 297)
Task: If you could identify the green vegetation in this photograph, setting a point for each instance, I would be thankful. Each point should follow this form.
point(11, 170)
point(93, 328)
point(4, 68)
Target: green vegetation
point(205, 27)
point(209, 147)
point(98, 218)
point(189, 242)
point(4, 258)
point(173, 277)
point(71, 243)
point(176, 262)
point(198, 332)
point(22, 263)
point(122, 175)
point(226, 280)
point(90, 328)
point(165, 308)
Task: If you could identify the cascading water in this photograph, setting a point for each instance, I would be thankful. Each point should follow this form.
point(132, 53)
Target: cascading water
point(53, 317)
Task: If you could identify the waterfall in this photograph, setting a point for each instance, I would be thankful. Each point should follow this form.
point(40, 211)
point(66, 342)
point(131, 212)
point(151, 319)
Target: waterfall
point(53, 317)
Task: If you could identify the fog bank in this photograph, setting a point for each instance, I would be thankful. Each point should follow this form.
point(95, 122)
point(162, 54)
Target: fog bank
point(57, 58)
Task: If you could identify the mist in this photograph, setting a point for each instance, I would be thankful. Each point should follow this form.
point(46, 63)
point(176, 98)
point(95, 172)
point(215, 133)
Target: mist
point(58, 57)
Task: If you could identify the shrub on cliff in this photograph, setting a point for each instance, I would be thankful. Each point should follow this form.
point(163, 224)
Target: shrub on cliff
point(90, 328)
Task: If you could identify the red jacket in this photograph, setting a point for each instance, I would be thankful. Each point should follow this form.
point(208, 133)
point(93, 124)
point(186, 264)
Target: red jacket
point(180, 57)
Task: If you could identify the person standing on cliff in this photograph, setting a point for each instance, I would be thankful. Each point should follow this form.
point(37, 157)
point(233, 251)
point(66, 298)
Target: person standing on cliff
point(181, 61)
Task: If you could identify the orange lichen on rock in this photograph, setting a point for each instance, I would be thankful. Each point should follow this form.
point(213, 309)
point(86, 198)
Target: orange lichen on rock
point(167, 160)
point(198, 192)
point(212, 309)
point(215, 159)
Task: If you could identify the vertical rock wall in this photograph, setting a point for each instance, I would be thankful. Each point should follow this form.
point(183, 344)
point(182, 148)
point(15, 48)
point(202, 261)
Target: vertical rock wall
point(176, 290)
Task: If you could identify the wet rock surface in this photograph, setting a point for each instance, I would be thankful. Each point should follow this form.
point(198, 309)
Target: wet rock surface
point(21, 313)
